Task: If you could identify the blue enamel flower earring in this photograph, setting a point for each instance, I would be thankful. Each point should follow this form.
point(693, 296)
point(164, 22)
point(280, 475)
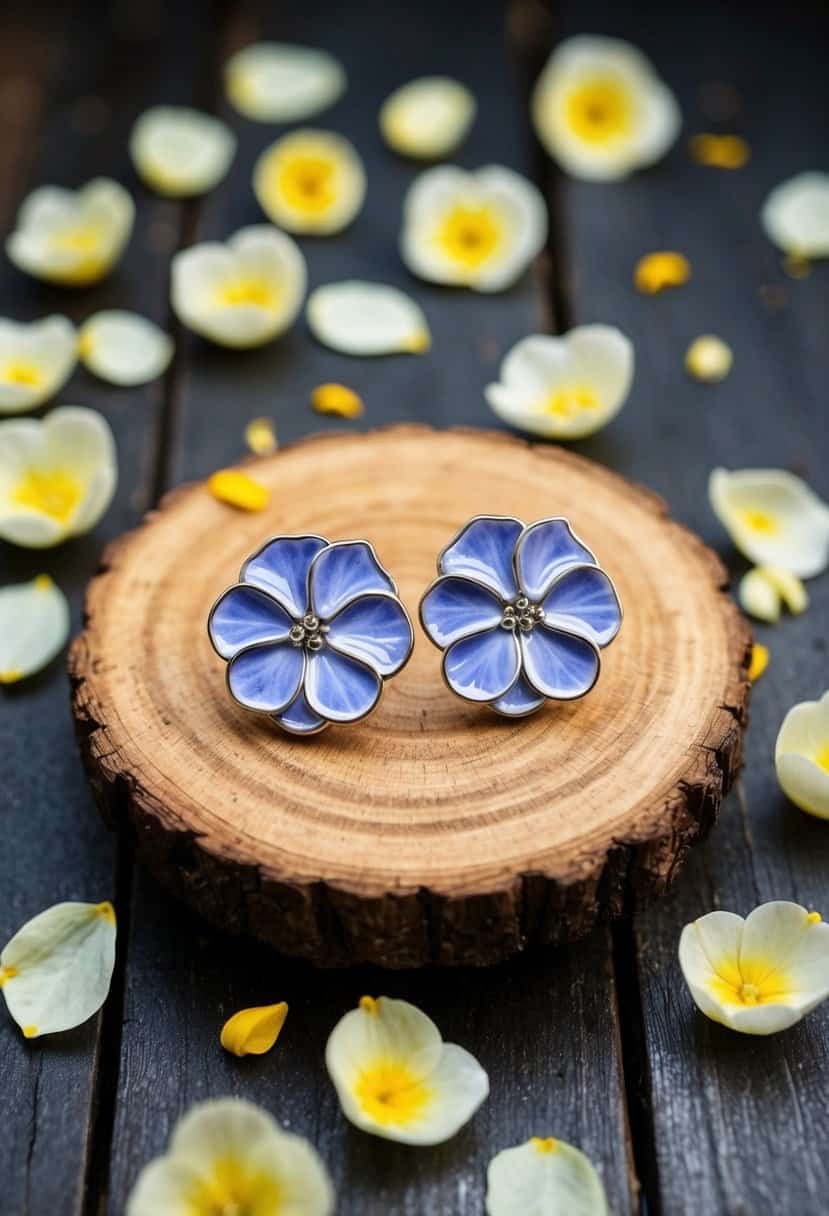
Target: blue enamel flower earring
point(310, 632)
point(520, 612)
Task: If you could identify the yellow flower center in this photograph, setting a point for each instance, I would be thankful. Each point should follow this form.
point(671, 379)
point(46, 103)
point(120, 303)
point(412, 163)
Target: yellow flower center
point(600, 110)
point(84, 239)
point(822, 758)
point(759, 521)
point(470, 235)
point(20, 372)
point(307, 183)
point(233, 1190)
point(52, 492)
point(391, 1094)
point(570, 401)
point(248, 291)
point(750, 983)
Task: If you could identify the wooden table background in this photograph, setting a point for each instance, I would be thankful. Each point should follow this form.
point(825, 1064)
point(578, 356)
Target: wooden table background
point(599, 1043)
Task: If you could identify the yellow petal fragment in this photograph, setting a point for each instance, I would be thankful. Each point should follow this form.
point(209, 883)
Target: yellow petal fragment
point(759, 661)
point(260, 436)
point(106, 911)
point(30, 1032)
point(708, 358)
point(369, 1004)
point(238, 490)
point(814, 918)
point(720, 151)
point(254, 1031)
point(545, 1144)
point(656, 271)
point(337, 399)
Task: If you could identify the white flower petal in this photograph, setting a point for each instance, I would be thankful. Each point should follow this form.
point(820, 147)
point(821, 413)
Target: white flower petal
point(124, 348)
point(310, 182)
point(73, 237)
point(396, 1078)
point(795, 215)
point(57, 476)
point(801, 756)
point(229, 1154)
point(544, 1177)
point(34, 626)
point(773, 518)
point(243, 293)
point(280, 82)
point(759, 597)
point(360, 318)
point(478, 230)
point(427, 118)
point(36, 360)
point(600, 109)
point(56, 970)
point(564, 387)
point(179, 151)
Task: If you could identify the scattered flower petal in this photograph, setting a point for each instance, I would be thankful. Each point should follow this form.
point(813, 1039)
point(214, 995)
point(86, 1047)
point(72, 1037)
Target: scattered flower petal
point(124, 348)
point(229, 1156)
point(310, 182)
point(360, 318)
point(396, 1078)
point(279, 82)
point(761, 974)
point(773, 518)
point(179, 151)
point(759, 597)
point(708, 358)
point(544, 1177)
point(57, 476)
point(427, 118)
point(720, 151)
point(759, 661)
point(600, 109)
point(801, 756)
point(656, 271)
point(337, 399)
point(56, 970)
point(242, 293)
point(480, 229)
point(238, 490)
point(260, 436)
point(795, 216)
point(789, 587)
point(252, 1032)
point(73, 237)
point(36, 360)
point(34, 626)
point(566, 387)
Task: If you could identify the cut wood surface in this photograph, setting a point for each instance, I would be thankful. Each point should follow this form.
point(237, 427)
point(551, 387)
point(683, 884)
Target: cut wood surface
point(433, 831)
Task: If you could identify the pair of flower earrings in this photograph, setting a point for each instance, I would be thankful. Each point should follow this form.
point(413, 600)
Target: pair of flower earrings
point(312, 629)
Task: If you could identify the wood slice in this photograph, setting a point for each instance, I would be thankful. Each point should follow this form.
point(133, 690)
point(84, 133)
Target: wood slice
point(434, 830)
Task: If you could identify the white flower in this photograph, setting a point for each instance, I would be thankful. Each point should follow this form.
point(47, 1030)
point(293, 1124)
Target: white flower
point(279, 82)
point(57, 476)
point(708, 358)
point(123, 347)
point(396, 1078)
point(56, 971)
point(801, 756)
point(179, 151)
point(310, 182)
point(764, 587)
point(478, 230)
point(367, 319)
point(600, 109)
point(427, 118)
point(773, 518)
point(231, 1158)
point(36, 360)
point(757, 975)
point(34, 626)
point(567, 387)
point(544, 1177)
point(73, 237)
point(242, 293)
point(795, 215)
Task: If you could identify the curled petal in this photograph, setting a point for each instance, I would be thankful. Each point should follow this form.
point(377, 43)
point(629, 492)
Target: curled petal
point(519, 700)
point(482, 551)
point(558, 665)
point(544, 551)
point(584, 601)
point(801, 756)
point(245, 616)
point(299, 719)
point(484, 666)
point(253, 1031)
point(342, 572)
point(34, 626)
point(266, 677)
point(339, 688)
point(375, 629)
point(454, 608)
point(281, 568)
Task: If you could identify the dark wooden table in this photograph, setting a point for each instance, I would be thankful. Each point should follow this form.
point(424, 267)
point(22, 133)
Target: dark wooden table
point(599, 1043)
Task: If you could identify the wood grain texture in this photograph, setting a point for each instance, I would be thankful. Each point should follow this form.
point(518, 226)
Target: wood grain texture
point(434, 831)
